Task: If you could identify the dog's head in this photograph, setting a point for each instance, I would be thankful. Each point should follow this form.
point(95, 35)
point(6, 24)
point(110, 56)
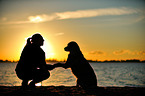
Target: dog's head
point(72, 47)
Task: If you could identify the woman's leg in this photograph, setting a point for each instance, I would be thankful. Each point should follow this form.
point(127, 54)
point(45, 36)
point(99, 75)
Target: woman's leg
point(24, 77)
point(24, 82)
point(38, 76)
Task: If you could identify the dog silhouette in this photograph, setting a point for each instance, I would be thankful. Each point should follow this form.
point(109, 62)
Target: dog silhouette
point(80, 67)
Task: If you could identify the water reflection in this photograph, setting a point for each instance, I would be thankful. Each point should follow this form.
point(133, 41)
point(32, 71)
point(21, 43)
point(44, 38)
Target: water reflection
point(109, 74)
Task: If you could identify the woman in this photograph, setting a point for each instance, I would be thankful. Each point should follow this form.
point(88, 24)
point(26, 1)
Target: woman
point(32, 65)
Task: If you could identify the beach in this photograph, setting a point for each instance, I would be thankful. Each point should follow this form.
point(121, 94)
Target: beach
point(70, 91)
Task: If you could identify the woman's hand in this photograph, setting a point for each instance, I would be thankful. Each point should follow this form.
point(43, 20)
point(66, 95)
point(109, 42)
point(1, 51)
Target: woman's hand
point(60, 65)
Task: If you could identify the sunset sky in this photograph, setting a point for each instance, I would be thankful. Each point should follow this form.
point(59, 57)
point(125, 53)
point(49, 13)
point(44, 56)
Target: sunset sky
point(104, 29)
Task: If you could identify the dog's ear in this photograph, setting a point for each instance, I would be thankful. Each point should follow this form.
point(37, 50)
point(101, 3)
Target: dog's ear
point(73, 46)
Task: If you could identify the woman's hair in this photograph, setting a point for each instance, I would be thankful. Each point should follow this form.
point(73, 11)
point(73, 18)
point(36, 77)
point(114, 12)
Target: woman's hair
point(34, 39)
point(29, 41)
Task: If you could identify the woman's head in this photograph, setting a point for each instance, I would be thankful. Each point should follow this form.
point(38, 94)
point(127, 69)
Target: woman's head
point(37, 39)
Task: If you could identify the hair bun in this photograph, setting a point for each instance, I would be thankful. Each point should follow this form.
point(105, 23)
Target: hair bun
point(29, 41)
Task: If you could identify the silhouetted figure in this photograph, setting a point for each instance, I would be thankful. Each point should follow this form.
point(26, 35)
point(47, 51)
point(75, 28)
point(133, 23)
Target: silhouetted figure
point(84, 73)
point(32, 65)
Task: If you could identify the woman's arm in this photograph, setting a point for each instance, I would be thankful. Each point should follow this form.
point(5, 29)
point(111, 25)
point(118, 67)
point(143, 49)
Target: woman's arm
point(64, 65)
point(51, 67)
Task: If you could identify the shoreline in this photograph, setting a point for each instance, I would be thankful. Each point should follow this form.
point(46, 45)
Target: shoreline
point(70, 91)
point(90, 61)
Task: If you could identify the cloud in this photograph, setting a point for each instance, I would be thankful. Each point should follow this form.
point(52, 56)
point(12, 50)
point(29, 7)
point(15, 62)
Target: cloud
point(123, 51)
point(98, 52)
point(58, 34)
point(79, 14)
point(141, 53)
point(120, 52)
point(82, 14)
point(3, 19)
point(16, 22)
point(141, 18)
point(42, 18)
point(95, 12)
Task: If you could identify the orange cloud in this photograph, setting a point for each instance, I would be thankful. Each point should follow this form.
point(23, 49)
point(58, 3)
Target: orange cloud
point(121, 52)
point(98, 52)
point(141, 53)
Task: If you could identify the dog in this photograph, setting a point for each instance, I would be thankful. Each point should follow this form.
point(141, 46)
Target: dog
point(80, 67)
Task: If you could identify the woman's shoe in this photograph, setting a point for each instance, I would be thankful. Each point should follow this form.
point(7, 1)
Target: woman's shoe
point(32, 85)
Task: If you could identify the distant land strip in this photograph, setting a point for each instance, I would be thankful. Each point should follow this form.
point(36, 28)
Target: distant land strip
point(97, 61)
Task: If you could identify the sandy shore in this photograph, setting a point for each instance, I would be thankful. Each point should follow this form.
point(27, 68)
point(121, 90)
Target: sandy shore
point(70, 91)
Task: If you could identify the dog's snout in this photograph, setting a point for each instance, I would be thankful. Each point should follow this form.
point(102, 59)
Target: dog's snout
point(66, 49)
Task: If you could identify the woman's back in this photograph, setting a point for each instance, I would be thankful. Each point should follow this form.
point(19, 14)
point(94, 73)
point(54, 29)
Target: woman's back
point(31, 58)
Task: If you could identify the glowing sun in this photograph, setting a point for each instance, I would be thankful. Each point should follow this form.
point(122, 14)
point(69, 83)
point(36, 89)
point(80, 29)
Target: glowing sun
point(48, 48)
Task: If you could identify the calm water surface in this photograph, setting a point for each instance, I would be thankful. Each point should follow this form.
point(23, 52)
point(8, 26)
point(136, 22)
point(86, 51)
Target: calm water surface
point(108, 74)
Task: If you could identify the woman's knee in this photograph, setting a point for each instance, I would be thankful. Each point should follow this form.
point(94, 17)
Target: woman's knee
point(47, 75)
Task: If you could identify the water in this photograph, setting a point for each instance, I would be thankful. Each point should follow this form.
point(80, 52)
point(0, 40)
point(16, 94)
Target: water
point(108, 74)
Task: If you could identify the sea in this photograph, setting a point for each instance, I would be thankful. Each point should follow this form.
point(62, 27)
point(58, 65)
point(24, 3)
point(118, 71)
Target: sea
point(108, 75)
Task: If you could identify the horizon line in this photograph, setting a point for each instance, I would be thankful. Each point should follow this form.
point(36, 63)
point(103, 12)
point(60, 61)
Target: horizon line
point(89, 60)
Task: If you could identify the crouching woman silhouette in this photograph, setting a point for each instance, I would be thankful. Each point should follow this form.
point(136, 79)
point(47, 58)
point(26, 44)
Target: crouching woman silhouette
point(32, 65)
